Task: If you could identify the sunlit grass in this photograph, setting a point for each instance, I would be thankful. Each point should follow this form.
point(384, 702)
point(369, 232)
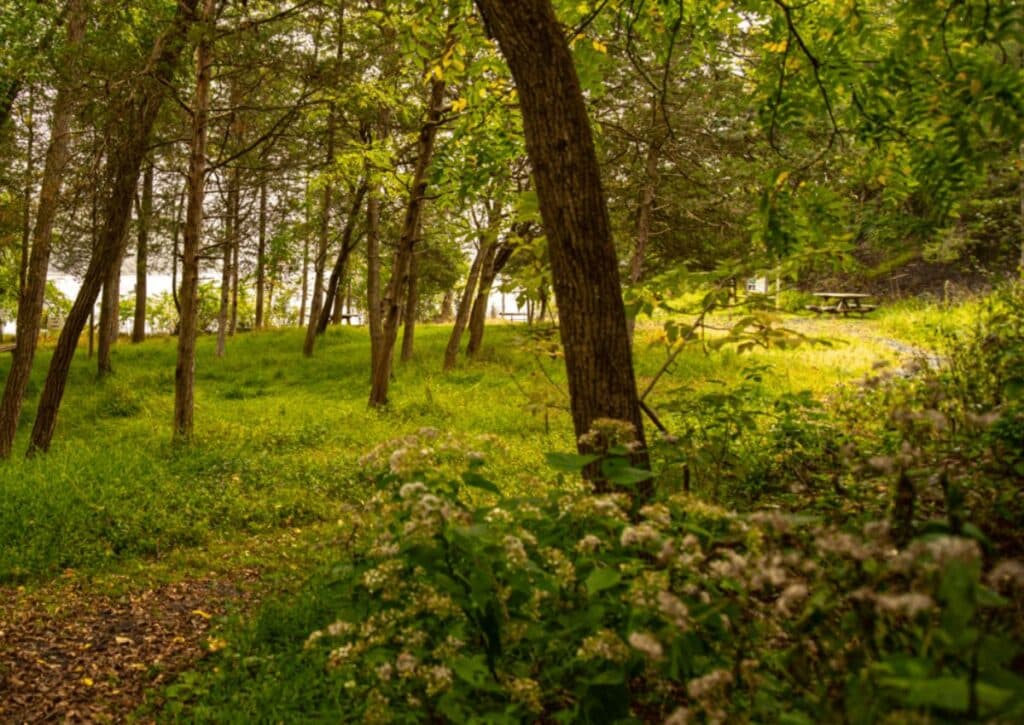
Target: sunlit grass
point(279, 436)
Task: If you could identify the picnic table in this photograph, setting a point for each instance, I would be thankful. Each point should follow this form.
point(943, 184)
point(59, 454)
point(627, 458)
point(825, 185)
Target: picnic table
point(512, 316)
point(841, 303)
point(8, 347)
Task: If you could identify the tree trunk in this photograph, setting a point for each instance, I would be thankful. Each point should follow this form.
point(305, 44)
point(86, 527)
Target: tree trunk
point(30, 307)
point(478, 313)
point(406, 244)
point(373, 306)
point(145, 212)
point(446, 314)
point(233, 325)
point(175, 248)
point(30, 172)
point(412, 302)
point(323, 238)
point(305, 282)
point(490, 271)
point(225, 283)
point(261, 254)
point(110, 312)
point(347, 245)
point(185, 370)
point(465, 304)
point(584, 266)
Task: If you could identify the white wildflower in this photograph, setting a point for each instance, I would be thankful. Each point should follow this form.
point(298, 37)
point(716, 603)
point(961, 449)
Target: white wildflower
point(645, 642)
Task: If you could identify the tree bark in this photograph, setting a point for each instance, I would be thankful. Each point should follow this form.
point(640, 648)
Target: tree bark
point(465, 305)
point(26, 212)
point(135, 122)
point(500, 253)
point(185, 370)
point(595, 338)
point(110, 312)
point(225, 281)
point(317, 307)
point(412, 303)
point(347, 245)
point(305, 282)
point(145, 213)
point(406, 245)
point(261, 254)
point(30, 307)
point(373, 302)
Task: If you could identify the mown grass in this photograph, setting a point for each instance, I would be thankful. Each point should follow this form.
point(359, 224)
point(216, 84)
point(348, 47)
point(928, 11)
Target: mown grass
point(279, 437)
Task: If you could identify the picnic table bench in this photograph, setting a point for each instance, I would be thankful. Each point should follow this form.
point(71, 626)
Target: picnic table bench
point(515, 315)
point(7, 347)
point(842, 303)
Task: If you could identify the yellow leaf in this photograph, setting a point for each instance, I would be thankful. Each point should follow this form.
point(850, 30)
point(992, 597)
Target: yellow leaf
point(779, 47)
point(975, 86)
point(87, 681)
point(781, 179)
point(459, 105)
point(215, 644)
point(201, 613)
point(599, 46)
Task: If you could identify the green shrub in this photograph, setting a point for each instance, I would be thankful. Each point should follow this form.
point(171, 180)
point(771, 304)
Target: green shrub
point(452, 604)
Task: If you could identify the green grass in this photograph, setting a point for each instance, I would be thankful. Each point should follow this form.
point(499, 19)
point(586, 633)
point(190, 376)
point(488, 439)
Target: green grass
point(278, 436)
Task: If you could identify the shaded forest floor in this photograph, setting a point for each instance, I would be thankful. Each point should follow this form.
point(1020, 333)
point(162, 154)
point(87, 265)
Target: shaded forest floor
point(118, 552)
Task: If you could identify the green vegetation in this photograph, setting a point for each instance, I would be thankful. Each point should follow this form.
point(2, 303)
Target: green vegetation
point(437, 576)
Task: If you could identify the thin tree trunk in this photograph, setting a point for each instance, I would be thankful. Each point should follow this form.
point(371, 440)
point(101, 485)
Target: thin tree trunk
point(261, 253)
point(175, 249)
point(406, 243)
point(30, 172)
point(644, 215)
point(185, 370)
point(478, 313)
point(347, 245)
point(30, 308)
point(598, 357)
point(225, 286)
point(145, 213)
point(373, 293)
point(491, 269)
point(110, 312)
point(235, 251)
point(318, 309)
point(465, 304)
point(305, 282)
point(412, 302)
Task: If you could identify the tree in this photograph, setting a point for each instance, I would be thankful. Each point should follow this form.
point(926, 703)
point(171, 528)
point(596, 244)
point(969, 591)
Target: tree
point(185, 370)
point(595, 338)
point(30, 307)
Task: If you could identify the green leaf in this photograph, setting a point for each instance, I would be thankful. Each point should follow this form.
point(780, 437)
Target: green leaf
point(601, 579)
point(619, 472)
point(571, 462)
point(472, 670)
point(477, 481)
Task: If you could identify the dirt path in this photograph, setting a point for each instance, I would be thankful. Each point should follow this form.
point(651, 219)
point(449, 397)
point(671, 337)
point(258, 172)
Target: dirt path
point(68, 654)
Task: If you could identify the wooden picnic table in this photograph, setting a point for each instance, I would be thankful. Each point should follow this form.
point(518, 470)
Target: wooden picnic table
point(841, 303)
point(511, 316)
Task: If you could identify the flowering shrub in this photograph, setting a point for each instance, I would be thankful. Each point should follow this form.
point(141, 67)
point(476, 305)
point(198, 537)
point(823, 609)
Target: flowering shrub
point(576, 606)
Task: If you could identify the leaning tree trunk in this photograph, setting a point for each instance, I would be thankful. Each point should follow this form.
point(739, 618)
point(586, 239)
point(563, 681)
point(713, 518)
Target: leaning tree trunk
point(136, 121)
point(347, 245)
point(30, 307)
point(145, 213)
point(185, 370)
point(320, 263)
point(499, 258)
point(465, 304)
point(598, 359)
point(406, 244)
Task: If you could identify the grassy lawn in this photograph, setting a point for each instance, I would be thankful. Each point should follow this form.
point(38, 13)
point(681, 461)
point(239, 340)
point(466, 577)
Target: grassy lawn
point(279, 436)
